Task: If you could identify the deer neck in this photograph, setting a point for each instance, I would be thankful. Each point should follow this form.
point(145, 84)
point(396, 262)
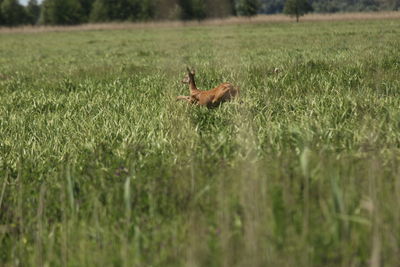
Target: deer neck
point(192, 86)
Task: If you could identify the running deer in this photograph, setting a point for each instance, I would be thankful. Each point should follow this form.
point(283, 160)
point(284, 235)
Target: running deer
point(209, 98)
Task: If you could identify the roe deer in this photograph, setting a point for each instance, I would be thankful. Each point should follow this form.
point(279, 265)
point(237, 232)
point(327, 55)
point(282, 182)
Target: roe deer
point(209, 98)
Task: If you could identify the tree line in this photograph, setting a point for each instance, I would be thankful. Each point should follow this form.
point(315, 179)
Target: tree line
point(69, 12)
point(332, 6)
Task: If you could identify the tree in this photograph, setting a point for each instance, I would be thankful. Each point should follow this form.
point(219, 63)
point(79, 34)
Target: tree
point(13, 13)
point(167, 9)
point(99, 12)
point(1, 14)
point(186, 9)
point(33, 11)
point(192, 9)
point(395, 4)
point(219, 8)
point(122, 10)
point(233, 8)
point(147, 10)
point(247, 8)
point(272, 6)
point(86, 8)
point(61, 12)
point(297, 8)
point(199, 9)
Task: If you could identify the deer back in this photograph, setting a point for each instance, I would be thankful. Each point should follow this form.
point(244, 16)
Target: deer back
point(210, 98)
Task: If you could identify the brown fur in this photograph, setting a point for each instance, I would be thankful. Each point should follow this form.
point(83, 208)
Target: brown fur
point(209, 98)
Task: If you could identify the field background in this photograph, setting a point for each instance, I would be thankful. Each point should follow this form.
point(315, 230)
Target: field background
point(99, 165)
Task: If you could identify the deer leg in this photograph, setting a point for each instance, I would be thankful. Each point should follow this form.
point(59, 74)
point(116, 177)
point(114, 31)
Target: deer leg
point(221, 96)
point(183, 97)
point(189, 99)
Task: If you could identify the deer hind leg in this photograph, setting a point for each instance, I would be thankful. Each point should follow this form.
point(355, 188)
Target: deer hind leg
point(222, 95)
point(231, 94)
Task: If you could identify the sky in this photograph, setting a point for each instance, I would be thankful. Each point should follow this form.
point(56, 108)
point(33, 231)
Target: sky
point(24, 2)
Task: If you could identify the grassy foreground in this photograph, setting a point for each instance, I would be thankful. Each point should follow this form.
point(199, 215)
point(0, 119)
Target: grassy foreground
point(99, 166)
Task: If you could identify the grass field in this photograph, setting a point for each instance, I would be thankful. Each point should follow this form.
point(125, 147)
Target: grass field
point(100, 166)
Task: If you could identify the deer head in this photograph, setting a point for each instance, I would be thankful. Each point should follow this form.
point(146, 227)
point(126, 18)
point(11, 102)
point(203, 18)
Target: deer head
point(189, 77)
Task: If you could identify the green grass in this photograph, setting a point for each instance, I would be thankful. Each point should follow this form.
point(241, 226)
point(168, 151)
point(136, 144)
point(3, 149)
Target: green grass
point(99, 165)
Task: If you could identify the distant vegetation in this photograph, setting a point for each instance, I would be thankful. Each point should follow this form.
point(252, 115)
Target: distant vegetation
point(331, 6)
point(68, 12)
point(297, 8)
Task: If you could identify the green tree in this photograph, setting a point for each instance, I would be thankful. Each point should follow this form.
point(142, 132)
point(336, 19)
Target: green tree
point(199, 9)
point(61, 12)
point(147, 10)
point(192, 9)
point(167, 9)
point(1, 14)
point(219, 8)
point(394, 4)
point(368, 5)
point(272, 6)
point(33, 11)
point(13, 13)
point(100, 12)
point(186, 9)
point(86, 8)
point(247, 8)
point(122, 10)
point(297, 8)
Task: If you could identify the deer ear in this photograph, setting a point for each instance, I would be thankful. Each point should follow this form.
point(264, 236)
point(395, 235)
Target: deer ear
point(188, 70)
point(192, 72)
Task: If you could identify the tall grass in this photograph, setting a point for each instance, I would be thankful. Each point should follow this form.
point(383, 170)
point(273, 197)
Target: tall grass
point(101, 166)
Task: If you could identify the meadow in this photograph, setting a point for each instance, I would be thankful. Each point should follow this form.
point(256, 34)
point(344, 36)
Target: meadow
point(100, 166)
